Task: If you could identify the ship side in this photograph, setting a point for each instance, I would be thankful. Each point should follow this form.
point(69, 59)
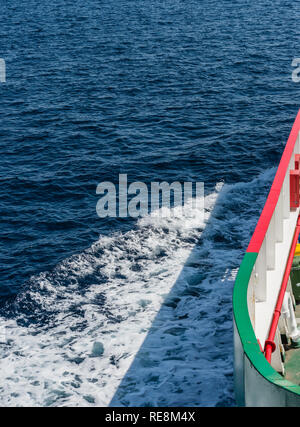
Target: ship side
point(264, 304)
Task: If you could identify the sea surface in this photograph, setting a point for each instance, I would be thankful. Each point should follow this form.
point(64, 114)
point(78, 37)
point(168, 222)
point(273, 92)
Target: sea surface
point(133, 311)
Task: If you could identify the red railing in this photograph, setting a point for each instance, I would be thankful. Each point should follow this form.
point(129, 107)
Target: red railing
point(268, 210)
point(270, 344)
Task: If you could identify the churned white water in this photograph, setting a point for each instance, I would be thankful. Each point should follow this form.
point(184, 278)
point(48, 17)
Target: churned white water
point(141, 318)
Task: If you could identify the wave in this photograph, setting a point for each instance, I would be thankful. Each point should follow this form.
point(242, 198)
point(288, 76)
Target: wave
point(140, 318)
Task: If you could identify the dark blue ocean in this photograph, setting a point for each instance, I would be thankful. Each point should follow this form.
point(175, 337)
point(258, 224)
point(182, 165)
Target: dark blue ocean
point(124, 311)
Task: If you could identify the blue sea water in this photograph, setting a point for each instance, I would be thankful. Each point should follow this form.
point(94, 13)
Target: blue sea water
point(175, 90)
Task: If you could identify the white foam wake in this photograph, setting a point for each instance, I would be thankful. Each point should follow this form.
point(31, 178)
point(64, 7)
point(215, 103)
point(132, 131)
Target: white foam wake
point(95, 331)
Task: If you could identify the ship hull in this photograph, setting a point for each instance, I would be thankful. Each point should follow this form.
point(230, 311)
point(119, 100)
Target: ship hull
point(257, 290)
